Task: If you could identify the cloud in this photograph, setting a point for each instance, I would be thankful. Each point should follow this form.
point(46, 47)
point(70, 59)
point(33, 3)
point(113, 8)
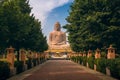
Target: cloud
point(42, 8)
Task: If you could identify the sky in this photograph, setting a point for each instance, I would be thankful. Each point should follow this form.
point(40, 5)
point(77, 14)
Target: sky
point(49, 12)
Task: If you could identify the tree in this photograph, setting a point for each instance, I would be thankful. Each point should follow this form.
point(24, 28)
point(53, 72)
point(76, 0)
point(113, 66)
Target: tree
point(18, 28)
point(15, 22)
point(93, 24)
point(35, 40)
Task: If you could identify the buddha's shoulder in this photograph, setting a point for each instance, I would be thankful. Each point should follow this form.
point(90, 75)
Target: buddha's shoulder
point(53, 32)
point(62, 32)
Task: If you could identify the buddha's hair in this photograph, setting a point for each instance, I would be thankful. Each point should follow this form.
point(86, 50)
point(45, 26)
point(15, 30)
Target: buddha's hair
point(57, 23)
point(58, 26)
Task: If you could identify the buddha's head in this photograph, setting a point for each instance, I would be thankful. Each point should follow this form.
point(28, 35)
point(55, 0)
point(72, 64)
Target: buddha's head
point(57, 26)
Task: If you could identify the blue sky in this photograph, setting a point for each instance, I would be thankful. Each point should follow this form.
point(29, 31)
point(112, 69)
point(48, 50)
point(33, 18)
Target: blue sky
point(49, 12)
point(58, 14)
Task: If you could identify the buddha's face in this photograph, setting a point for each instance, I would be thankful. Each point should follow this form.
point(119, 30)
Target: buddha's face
point(57, 27)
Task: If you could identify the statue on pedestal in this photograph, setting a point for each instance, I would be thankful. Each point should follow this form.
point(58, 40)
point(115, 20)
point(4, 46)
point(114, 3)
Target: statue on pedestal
point(57, 38)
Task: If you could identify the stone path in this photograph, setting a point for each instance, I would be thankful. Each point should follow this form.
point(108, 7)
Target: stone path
point(62, 70)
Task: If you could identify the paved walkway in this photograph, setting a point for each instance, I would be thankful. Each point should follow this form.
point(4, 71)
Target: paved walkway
point(61, 70)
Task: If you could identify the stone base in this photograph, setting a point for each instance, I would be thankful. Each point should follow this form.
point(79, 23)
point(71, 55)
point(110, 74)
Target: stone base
point(78, 62)
point(82, 63)
point(32, 64)
point(87, 65)
point(25, 67)
point(12, 71)
point(95, 68)
point(108, 71)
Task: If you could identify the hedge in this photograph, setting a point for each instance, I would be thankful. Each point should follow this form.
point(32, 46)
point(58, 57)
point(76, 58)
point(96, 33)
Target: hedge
point(34, 61)
point(114, 66)
point(84, 60)
point(19, 66)
point(90, 61)
point(4, 70)
point(29, 63)
point(101, 64)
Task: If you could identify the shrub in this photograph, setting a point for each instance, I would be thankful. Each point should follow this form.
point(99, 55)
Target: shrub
point(84, 60)
point(80, 59)
point(41, 59)
point(73, 58)
point(34, 62)
point(37, 60)
point(103, 54)
point(77, 59)
point(29, 63)
point(4, 70)
point(19, 66)
point(114, 66)
point(90, 61)
point(101, 64)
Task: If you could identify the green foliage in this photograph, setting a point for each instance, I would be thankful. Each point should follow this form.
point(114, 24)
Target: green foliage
point(93, 24)
point(24, 6)
point(42, 59)
point(29, 63)
point(84, 60)
point(103, 54)
point(73, 58)
point(80, 59)
point(90, 61)
point(20, 29)
point(34, 62)
point(77, 59)
point(101, 64)
point(114, 66)
point(19, 66)
point(4, 70)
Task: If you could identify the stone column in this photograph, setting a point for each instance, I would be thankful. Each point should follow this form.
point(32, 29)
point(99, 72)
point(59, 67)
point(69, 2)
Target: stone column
point(111, 53)
point(84, 53)
point(37, 57)
point(29, 54)
point(97, 53)
point(80, 54)
point(47, 55)
point(44, 55)
point(34, 58)
point(22, 56)
point(11, 59)
point(41, 56)
point(89, 53)
point(30, 57)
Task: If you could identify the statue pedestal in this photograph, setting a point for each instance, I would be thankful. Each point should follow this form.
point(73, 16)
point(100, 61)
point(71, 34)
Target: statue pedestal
point(61, 53)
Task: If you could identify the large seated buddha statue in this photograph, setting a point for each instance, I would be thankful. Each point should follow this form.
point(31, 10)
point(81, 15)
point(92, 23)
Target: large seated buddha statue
point(57, 38)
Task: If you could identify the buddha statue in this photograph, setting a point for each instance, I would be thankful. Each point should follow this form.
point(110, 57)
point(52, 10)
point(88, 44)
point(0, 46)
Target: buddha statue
point(57, 38)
